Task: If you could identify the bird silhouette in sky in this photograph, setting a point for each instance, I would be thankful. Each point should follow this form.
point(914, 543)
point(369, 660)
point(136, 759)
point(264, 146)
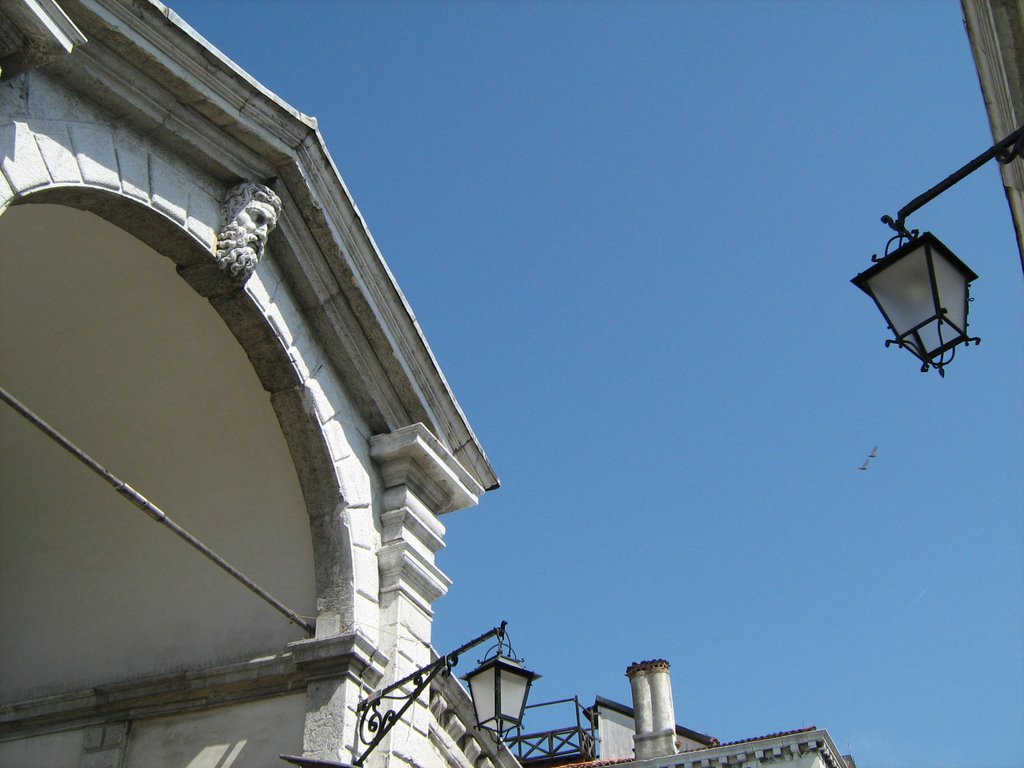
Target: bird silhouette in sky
point(874, 452)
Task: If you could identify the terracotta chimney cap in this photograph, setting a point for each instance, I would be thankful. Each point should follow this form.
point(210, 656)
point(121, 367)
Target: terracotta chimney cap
point(650, 665)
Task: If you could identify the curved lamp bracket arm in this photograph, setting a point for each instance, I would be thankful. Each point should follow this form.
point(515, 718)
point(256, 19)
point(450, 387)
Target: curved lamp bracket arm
point(376, 717)
point(1005, 151)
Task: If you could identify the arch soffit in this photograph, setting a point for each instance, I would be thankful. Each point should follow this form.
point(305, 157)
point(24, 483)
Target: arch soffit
point(91, 167)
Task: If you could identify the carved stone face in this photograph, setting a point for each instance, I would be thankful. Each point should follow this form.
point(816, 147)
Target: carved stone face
point(250, 212)
point(256, 220)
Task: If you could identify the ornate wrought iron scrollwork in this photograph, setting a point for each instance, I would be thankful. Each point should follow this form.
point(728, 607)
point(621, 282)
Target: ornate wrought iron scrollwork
point(376, 717)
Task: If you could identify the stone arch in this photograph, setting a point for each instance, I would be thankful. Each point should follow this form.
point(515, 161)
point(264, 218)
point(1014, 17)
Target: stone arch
point(175, 210)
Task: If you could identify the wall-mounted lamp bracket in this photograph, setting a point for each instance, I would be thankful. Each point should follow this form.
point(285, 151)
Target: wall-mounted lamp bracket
point(1007, 150)
point(376, 717)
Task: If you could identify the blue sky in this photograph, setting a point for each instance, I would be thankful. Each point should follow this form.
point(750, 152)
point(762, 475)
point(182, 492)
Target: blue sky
point(628, 230)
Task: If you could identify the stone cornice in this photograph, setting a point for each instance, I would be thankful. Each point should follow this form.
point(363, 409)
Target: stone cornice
point(41, 32)
point(402, 570)
point(413, 457)
point(192, 690)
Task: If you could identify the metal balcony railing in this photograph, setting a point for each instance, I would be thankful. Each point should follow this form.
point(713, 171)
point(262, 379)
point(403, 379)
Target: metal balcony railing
point(572, 743)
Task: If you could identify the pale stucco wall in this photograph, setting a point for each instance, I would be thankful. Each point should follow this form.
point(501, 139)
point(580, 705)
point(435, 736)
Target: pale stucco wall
point(250, 735)
point(108, 344)
point(56, 750)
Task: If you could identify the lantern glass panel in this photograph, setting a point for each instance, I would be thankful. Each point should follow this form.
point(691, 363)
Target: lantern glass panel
point(930, 339)
point(481, 688)
point(514, 685)
point(952, 286)
point(903, 290)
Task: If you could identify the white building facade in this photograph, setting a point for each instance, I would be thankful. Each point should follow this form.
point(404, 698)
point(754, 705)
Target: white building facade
point(189, 293)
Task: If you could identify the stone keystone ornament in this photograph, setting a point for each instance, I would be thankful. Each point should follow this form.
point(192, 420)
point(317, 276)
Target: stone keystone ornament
point(249, 212)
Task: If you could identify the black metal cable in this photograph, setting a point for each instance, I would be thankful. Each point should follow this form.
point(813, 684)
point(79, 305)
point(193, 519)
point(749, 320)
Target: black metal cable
point(151, 509)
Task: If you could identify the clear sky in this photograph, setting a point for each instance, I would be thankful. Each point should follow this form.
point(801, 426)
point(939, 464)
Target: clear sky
point(628, 230)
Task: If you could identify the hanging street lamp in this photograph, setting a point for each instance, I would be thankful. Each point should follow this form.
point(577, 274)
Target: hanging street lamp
point(919, 285)
point(921, 289)
point(499, 687)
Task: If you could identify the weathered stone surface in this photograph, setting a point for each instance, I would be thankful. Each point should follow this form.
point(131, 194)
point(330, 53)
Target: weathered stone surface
point(55, 147)
point(20, 159)
point(95, 155)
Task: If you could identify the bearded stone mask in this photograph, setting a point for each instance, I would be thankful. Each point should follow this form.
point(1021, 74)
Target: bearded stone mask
point(250, 211)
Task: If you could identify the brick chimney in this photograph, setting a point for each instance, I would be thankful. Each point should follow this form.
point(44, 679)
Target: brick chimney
point(653, 712)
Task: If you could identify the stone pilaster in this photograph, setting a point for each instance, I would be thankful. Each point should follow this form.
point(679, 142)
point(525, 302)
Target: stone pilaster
point(337, 672)
point(422, 480)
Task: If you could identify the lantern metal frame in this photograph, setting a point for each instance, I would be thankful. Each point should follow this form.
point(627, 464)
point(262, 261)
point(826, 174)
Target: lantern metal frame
point(907, 240)
point(911, 339)
point(502, 657)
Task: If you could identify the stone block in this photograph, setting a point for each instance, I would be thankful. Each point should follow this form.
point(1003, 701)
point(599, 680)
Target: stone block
point(169, 190)
point(20, 159)
point(455, 727)
point(356, 483)
point(257, 288)
point(326, 716)
point(97, 159)
point(115, 734)
point(55, 146)
point(133, 165)
point(322, 405)
point(298, 353)
point(362, 531)
point(337, 440)
point(93, 738)
point(365, 614)
point(278, 322)
point(471, 749)
point(417, 624)
point(6, 193)
point(203, 217)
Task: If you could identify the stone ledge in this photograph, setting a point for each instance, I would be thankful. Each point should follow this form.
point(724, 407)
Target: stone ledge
point(305, 661)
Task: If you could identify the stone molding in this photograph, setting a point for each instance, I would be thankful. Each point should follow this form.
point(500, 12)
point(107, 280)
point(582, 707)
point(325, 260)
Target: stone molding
point(422, 480)
point(413, 457)
point(305, 661)
point(39, 31)
point(416, 578)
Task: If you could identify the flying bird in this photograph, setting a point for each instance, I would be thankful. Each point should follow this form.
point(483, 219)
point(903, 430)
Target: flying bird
point(874, 452)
